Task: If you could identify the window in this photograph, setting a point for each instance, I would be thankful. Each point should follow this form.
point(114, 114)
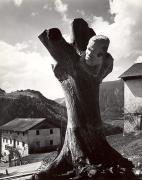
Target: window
point(37, 132)
point(3, 139)
point(17, 133)
point(23, 134)
point(51, 131)
point(23, 144)
point(10, 141)
point(6, 140)
point(51, 142)
point(17, 142)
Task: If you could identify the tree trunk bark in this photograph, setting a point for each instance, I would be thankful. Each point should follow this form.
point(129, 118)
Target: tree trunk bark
point(85, 142)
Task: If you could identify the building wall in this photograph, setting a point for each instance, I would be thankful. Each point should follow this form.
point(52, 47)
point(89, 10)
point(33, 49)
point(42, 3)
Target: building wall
point(132, 105)
point(20, 139)
point(47, 139)
point(0, 142)
point(133, 96)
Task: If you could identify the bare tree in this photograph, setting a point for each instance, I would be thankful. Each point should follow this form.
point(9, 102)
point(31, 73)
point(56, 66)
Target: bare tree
point(80, 68)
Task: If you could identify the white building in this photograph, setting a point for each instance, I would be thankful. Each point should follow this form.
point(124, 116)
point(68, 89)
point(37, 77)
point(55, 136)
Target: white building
point(30, 135)
point(133, 98)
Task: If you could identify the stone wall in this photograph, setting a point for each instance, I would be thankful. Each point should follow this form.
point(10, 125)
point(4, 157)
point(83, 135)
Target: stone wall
point(132, 123)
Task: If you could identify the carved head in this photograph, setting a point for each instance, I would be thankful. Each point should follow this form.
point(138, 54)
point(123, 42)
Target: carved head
point(96, 50)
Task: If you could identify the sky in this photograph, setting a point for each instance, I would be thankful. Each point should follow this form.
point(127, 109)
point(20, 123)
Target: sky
point(26, 64)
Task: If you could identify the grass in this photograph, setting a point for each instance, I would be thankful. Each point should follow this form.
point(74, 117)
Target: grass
point(32, 158)
point(130, 146)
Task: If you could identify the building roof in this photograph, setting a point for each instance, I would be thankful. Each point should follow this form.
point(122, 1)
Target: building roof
point(134, 71)
point(22, 124)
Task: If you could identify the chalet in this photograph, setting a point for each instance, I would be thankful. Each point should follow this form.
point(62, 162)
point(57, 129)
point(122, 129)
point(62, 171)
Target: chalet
point(132, 99)
point(30, 135)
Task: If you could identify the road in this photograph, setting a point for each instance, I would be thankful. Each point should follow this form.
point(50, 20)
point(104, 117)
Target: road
point(19, 171)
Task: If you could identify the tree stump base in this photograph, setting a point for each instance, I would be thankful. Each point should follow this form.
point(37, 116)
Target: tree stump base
point(82, 171)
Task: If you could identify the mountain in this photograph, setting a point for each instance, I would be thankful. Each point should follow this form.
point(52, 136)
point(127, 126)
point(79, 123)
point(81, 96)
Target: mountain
point(111, 100)
point(61, 101)
point(2, 91)
point(30, 104)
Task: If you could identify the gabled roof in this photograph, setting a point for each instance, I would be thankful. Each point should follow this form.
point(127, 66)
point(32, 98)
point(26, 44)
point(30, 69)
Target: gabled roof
point(134, 71)
point(22, 124)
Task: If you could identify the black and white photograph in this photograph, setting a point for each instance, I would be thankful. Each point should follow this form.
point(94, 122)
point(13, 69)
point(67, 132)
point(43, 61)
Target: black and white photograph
point(70, 90)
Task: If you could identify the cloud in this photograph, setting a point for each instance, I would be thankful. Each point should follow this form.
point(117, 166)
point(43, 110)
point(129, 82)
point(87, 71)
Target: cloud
point(62, 8)
point(139, 59)
point(27, 70)
point(21, 46)
point(115, 74)
point(34, 14)
point(18, 2)
point(125, 32)
point(47, 6)
point(81, 12)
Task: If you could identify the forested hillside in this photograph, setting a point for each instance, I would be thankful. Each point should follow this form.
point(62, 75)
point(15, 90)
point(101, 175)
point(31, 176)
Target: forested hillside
point(28, 104)
point(112, 99)
point(32, 104)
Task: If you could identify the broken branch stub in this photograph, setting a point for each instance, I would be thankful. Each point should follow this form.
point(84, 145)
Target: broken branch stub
point(81, 34)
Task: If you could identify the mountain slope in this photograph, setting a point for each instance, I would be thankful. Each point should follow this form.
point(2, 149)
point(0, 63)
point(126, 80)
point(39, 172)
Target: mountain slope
point(29, 104)
point(32, 104)
point(111, 100)
point(2, 91)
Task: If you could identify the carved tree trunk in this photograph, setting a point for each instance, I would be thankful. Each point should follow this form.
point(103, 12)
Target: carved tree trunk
point(84, 139)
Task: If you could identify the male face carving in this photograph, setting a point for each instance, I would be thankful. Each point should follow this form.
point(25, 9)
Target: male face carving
point(96, 50)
